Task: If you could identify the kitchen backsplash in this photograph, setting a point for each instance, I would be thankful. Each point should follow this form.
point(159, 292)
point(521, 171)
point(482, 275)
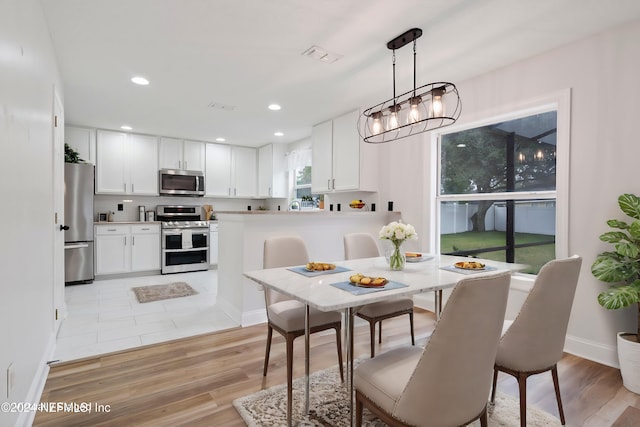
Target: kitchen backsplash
point(130, 212)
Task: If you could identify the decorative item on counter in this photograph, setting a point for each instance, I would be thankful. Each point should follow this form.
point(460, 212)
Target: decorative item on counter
point(397, 232)
point(110, 217)
point(338, 207)
point(102, 217)
point(390, 206)
point(331, 206)
point(373, 207)
point(249, 207)
point(208, 211)
point(356, 204)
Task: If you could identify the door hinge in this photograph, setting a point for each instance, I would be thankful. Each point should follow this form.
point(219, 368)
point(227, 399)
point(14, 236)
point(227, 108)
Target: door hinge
point(55, 121)
point(55, 218)
point(56, 314)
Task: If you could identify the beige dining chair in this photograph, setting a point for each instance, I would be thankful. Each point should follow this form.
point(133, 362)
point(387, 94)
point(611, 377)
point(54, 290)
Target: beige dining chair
point(362, 245)
point(446, 383)
point(534, 341)
point(286, 315)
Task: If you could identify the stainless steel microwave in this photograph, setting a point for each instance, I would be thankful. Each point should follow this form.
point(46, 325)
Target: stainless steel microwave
point(177, 182)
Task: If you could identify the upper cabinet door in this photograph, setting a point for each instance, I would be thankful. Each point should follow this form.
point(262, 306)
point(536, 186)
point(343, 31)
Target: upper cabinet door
point(170, 153)
point(346, 152)
point(265, 171)
point(111, 162)
point(193, 156)
point(143, 164)
point(82, 140)
point(244, 174)
point(321, 153)
point(218, 170)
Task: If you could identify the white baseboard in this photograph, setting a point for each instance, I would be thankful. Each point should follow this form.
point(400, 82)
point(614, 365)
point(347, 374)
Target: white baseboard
point(229, 309)
point(254, 317)
point(591, 350)
point(25, 419)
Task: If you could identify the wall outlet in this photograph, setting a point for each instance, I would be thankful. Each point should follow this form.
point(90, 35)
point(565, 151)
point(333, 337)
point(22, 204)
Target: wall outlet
point(11, 380)
point(120, 206)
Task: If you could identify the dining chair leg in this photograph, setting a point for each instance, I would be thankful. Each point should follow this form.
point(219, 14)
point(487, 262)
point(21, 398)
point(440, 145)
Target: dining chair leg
point(289, 339)
point(484, 422)
point(495, 383)
point(359, 409)
point(522, 387)
point(372, 336)
point(413, 338)
point(266, 353)
point(339, 344)
point(556, 386)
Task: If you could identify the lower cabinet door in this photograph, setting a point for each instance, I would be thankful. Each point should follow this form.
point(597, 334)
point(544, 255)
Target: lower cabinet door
point(113, 254)
point(145, 252)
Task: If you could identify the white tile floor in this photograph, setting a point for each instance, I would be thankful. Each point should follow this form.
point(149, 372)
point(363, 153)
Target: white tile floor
point(105, 316)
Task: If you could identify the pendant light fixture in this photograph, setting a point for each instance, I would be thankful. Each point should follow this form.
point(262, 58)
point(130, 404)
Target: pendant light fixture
point(421, 109)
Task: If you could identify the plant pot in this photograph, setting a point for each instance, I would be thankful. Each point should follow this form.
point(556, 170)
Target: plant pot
point(629, 358)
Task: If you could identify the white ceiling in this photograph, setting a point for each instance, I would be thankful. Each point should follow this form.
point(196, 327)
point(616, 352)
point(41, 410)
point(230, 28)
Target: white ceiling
point(247, 54)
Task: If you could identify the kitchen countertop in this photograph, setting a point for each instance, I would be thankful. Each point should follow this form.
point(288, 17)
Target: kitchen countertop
point(126, 222)
point(305, 212)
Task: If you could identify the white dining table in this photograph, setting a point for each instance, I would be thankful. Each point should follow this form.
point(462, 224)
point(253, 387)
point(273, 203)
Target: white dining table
point(433, 274)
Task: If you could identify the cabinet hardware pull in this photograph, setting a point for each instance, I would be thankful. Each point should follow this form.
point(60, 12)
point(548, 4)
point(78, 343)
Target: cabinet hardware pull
point(125, 187)
point(133, 240)
point(328, 184)
point(333, 184)
point(125, 240)
point(111, 229)
point(179, 164)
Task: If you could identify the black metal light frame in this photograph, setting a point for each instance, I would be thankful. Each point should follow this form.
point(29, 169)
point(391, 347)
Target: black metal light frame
point(425, 108)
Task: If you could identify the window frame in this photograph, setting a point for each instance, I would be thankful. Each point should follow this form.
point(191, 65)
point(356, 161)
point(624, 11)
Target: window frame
point(560, 102)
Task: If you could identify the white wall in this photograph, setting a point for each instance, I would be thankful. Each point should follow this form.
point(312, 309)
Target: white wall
point(601, 72)
point(28, 74)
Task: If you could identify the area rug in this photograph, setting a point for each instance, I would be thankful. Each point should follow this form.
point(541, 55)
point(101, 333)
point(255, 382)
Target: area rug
point(329, 406)
point(160, 292)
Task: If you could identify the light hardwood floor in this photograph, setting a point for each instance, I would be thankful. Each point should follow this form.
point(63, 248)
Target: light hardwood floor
point(193, 381)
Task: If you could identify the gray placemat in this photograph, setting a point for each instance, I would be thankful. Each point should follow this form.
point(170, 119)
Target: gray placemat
point(305, 272)
point(357, 290)
point(464, 271)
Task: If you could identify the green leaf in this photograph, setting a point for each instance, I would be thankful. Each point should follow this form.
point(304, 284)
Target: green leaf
point(611, 270)
point(634, 230)
point(613, 236)
point(614, 223)
point(630, 205)
point(627, 249)
point(618, 297)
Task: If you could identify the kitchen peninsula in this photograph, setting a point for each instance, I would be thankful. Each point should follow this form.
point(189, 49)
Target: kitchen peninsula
point(241, 240)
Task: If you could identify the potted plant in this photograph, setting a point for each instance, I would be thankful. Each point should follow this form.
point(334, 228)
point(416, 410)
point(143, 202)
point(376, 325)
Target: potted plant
point(621, 268)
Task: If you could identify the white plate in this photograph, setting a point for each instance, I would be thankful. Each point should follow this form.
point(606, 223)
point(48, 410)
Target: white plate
point(418, 259)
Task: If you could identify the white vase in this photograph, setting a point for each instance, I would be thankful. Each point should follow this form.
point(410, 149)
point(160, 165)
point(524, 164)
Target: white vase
point(629, 359)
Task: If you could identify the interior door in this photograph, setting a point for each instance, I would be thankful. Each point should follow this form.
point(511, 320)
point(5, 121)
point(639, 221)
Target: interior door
point(59, 307)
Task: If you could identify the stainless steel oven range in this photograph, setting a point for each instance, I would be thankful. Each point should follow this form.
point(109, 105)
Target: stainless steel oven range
point(185, 239)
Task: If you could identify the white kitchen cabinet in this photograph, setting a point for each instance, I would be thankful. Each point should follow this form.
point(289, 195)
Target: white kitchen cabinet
point(213, 243)
point(127, 248)
point(126, 163)
point(180, 154)
point(341, 160)
point(113, 254)
point(244, 176)
point(145, 247)
point(272, 171)
point(218, 170)
point(83, 141)
point(231, 171)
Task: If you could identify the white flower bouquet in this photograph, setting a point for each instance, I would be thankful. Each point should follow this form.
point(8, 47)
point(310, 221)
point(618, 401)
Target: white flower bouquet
point(397, 232)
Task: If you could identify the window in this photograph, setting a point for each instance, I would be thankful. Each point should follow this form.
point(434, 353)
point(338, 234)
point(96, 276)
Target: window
point(302, 188)
point(497, 190)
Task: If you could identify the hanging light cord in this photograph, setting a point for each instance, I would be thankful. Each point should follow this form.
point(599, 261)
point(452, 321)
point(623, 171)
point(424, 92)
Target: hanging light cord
point(394, 77)
point(414, 69)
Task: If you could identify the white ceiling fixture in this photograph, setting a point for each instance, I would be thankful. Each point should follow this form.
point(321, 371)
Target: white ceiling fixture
point(140, 80)
point(126, 127)
point(219, 139)
point(274, 107)
point(279, 134)
point(320, 54)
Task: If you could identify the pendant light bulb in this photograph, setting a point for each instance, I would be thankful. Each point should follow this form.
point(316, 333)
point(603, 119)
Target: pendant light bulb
point(392, 121)
point(376, 127)
point(414, 115)
point(437, 103)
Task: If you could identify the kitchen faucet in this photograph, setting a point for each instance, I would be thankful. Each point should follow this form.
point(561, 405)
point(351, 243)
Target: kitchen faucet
point(295, 204)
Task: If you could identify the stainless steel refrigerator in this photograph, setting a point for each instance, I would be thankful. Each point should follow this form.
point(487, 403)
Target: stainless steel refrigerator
point(78, 217)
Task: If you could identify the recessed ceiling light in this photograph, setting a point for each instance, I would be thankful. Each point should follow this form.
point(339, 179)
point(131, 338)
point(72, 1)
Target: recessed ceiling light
point(274, 107)
point(140, 80)
point(220, 139)
point(279, 134)
point(125, 127)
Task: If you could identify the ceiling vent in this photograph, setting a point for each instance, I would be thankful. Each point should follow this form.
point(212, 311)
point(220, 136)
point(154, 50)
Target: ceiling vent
point(320, 54)
point(222, 107)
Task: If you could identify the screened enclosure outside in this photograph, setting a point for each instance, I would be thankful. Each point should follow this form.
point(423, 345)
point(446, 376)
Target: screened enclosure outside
point(497, 191)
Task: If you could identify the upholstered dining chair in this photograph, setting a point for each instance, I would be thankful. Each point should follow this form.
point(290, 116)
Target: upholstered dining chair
point(362, 245)
point(286, 315)
point(533, 342)
point(446, 383)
